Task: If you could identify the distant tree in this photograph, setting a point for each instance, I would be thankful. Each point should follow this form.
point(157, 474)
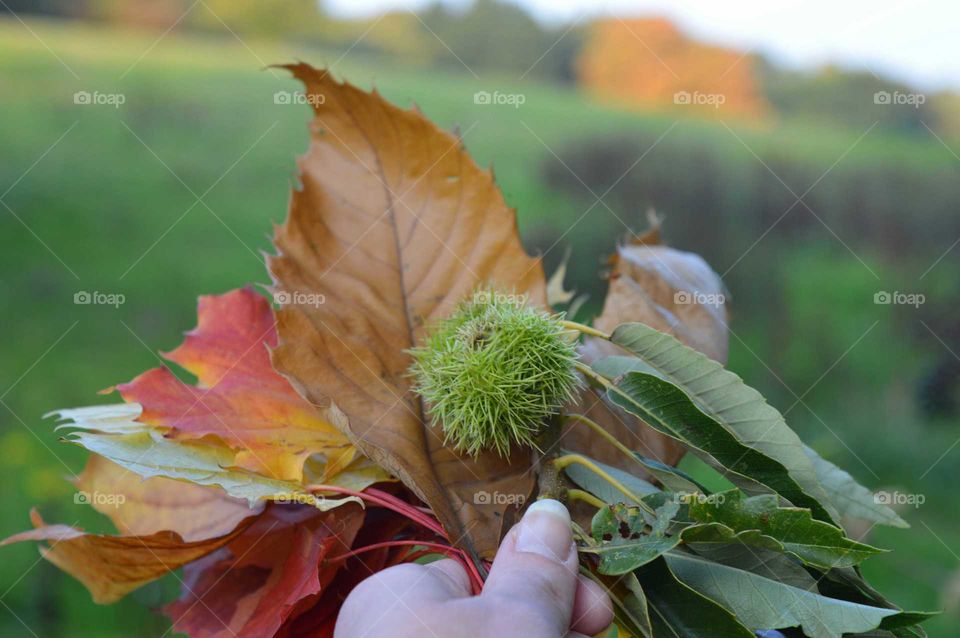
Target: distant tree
point(70, 8)
point(852, 98)
point(497, 35)
point(650, 63)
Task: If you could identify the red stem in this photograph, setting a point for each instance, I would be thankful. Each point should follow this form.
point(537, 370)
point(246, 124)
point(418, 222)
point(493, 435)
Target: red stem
point(415, 514)
point(388, 501)
point(439, 547)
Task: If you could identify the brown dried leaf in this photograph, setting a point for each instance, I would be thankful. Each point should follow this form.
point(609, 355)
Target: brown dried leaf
point(393, 225)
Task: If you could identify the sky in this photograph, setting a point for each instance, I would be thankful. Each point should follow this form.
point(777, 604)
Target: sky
point(916, 41)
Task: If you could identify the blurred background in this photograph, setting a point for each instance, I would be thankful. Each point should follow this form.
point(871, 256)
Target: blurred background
point(809, 151)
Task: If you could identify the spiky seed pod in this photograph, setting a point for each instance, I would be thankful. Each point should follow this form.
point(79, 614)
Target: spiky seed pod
point(494, 371)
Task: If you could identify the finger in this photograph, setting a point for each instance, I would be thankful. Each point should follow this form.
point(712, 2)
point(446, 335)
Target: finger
point(451, 573)
point(400, 598)
point(535, 570)
point(592, 609)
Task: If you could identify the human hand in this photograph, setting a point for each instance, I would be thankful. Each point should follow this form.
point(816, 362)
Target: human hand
point(533, 591)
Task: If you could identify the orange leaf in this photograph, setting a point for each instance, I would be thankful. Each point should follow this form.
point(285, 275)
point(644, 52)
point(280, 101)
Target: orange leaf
point(393, 226)
point(239, 397)
point(110, 567)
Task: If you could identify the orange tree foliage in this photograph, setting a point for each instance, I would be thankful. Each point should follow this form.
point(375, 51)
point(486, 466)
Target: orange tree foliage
point(647, 62)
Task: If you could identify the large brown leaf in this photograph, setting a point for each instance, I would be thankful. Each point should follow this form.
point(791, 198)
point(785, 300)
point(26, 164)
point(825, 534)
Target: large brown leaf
point(673, 291)
point(393, 225)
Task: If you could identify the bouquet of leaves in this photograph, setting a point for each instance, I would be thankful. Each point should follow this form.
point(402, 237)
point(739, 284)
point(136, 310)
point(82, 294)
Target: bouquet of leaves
point(417, 381)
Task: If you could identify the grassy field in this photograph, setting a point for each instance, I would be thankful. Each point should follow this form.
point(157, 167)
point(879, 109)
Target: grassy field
point(172, 195)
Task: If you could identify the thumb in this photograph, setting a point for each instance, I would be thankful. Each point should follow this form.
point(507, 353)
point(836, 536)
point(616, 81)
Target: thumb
point(535, 572)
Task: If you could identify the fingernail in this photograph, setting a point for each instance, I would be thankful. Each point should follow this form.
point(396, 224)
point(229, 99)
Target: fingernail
point(545, 530)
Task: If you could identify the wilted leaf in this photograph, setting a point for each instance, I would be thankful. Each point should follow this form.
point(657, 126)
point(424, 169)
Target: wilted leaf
point(849, 497)
point(557, 295)
point(110, 567)
point(140, 507)
point(393, 225)
point(238, 396)
point(651, 284)
point(678, 610)
point(780, 605)
point(725, 400)
point(758, 520)
point(621, 542)
point(249, 588)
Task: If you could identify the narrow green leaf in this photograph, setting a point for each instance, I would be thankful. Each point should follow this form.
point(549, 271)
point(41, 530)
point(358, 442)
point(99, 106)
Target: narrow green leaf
point(760, 521)
point(588, 480)
point(667, 409)
point(761, 603)
point(681, 612)
point(849, 497)
point(673, 479)
point(629, 602)
point(724, 396)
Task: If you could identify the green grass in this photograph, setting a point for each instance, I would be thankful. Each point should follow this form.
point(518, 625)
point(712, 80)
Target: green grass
point(112, 207)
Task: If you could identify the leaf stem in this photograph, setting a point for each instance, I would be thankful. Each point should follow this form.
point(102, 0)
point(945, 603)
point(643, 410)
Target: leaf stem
point(612, 440)
point(569, 459)
point(587, 330)
point(591, 374)
point(586, 497)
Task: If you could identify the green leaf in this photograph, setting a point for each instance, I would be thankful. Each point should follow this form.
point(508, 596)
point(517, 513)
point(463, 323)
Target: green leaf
point(760, 521)
point(771, 564)
point(847, 583)
point(724, 396)
point(629, 602)
point(762, 603)
point(149, 454)
point(667, 409)
point(622, 544)
point(849, 497)
point(599, 487)
point(673, 479)
point(681, 612)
